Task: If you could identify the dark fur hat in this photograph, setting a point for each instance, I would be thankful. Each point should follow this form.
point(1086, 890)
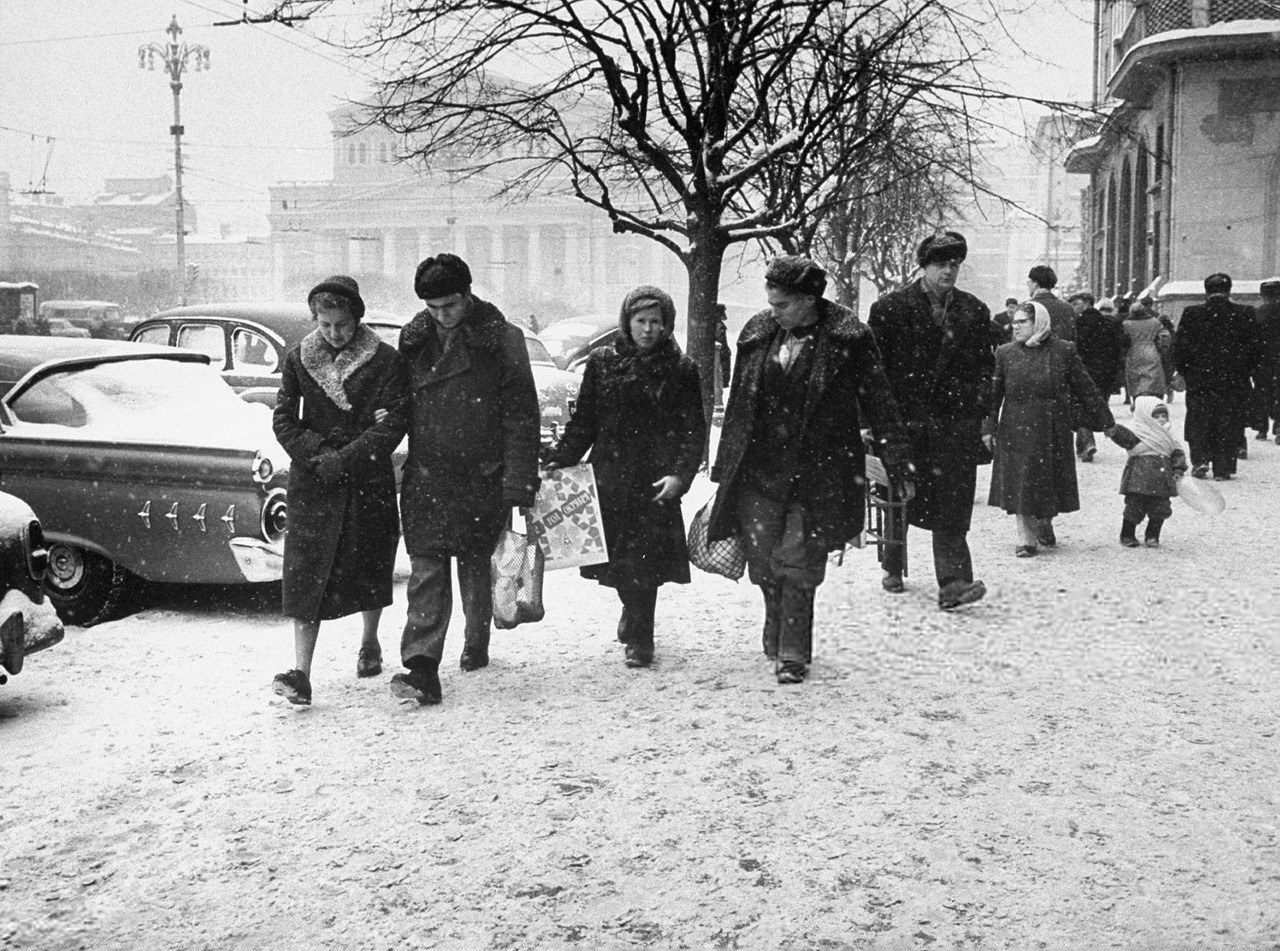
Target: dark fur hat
point(441, 276)
point(1217, 283)
point(797, 273)
point(943, 246)
point(1043, 276)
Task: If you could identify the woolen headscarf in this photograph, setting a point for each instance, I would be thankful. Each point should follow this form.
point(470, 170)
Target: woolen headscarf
point(344, 287)
point(1040, 329)
point(637, 300)
point(1156, 438)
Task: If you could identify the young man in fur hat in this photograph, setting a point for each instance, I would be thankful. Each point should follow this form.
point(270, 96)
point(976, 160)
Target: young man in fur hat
point(938, 350)
point(473, 455)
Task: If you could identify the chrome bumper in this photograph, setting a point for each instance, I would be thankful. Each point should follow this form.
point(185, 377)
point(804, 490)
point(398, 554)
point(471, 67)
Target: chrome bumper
point(258, 560)
point(26, 626)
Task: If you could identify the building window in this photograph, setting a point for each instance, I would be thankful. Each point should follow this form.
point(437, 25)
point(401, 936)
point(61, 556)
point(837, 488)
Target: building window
point(1140, 222)
point(364, 153)
point(351, 154)
point(382, 153)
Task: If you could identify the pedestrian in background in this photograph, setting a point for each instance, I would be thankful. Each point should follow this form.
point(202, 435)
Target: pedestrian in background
point(1039, 382)
point(791, 462)
point(639, 414)
point(474, 431)
point(1146, 353)
point(1217, 350)
point(339, 415)
point(1151, 474)
point(1003, 320)
point(1266, 381)
point(1101, 345)
point(936, 344)
point(1041, 280)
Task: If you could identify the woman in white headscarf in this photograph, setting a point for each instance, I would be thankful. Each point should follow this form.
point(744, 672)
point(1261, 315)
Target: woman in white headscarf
point(1039, 380)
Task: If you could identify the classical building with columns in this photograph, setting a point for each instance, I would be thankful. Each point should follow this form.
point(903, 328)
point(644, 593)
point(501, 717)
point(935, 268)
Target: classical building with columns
point(1185, 169)
point(377, 218)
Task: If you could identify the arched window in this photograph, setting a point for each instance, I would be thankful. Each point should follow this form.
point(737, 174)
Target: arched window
point(1271, 224)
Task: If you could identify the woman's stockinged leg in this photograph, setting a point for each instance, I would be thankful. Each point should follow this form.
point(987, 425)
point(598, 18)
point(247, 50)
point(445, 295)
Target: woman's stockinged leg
point(305, 635)
point(371, 620)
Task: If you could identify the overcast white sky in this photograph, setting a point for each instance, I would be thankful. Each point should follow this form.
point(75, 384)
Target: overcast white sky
point(69, 70)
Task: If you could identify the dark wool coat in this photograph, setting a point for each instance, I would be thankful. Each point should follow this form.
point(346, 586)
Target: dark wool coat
point(1101, 343)
point(473, 432)
point(1034, 395)
point(341, 545)
point(941, 379)
point(1217, 349)
point(1148, 474)
point(1266, 380)
point(846, 389)
point(1062, 316)
point(641, 418)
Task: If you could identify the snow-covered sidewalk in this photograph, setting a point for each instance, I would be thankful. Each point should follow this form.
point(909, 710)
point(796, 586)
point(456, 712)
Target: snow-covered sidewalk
point(1086, 759)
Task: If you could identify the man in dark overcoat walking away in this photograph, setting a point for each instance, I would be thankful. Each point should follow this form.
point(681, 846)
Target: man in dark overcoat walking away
point(1041, 280)
point(1217, 349)
point(1266, 382)
point(791, 462)
point(937, 347)
point(473, 455)
point(1101, 344)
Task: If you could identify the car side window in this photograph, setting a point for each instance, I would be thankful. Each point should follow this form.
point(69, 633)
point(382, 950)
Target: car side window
point(208, 339)
point(49, 403)
point(253, 353)
point(156, 335)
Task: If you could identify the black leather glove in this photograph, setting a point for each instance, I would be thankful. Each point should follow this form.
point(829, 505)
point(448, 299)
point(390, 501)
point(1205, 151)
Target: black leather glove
point(329, 467)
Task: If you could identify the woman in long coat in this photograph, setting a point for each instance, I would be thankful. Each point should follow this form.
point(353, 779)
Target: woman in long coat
point(339, 416)
point(1144, 361)
point(1039, 381)
point(639, 412)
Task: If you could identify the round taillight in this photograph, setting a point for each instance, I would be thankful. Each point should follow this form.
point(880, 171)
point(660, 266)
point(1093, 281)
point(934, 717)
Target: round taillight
point(37, 554)
point(263, 469)
point(275, 516)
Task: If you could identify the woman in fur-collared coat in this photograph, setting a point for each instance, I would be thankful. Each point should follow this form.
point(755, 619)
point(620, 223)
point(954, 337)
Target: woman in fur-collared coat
point(639, 412)
point(340, 414)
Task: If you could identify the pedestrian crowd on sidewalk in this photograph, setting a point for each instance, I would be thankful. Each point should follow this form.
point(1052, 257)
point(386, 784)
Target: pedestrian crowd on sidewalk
point(932, 385)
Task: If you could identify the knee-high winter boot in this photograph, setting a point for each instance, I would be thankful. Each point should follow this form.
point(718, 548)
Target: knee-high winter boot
point(772, 592)
point(795, 636)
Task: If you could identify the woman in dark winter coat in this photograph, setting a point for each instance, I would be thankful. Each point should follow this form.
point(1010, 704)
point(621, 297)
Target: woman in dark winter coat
point(639, 412)
point(339, 415)
point(1039, 382)
point(1149, 350)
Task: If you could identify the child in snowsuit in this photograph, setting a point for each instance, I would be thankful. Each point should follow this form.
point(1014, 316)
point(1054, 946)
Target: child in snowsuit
point(1150, 479)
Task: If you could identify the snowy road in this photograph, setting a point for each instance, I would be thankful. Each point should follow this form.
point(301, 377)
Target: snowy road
point(1087, 759)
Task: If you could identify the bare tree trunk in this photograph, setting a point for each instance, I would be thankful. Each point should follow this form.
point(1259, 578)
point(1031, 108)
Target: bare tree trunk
point(704, 262)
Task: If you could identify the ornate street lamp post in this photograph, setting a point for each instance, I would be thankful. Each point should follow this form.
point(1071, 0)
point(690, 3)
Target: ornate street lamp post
point(175, 57)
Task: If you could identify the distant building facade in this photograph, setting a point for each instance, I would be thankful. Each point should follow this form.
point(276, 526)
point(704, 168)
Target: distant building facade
point(1033, 215)
point(1185, 168)
point(549, 256)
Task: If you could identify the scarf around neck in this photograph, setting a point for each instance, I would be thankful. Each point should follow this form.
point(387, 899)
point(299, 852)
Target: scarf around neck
point(332, 368)
point(1156, 439)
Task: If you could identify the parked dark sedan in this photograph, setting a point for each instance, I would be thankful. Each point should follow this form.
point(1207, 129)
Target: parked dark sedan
point(140, 462)
point(28, 622)
point(247, 343)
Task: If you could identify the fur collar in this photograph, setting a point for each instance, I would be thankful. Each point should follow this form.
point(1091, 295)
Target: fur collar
point(331, 371)
point(835, 321)
point(481, 329)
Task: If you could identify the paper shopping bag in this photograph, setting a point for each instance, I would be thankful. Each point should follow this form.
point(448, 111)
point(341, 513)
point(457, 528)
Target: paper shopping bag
point(566, 519)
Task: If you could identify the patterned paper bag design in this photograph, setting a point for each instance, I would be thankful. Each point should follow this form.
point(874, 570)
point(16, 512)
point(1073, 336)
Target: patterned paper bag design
point(566, 519)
